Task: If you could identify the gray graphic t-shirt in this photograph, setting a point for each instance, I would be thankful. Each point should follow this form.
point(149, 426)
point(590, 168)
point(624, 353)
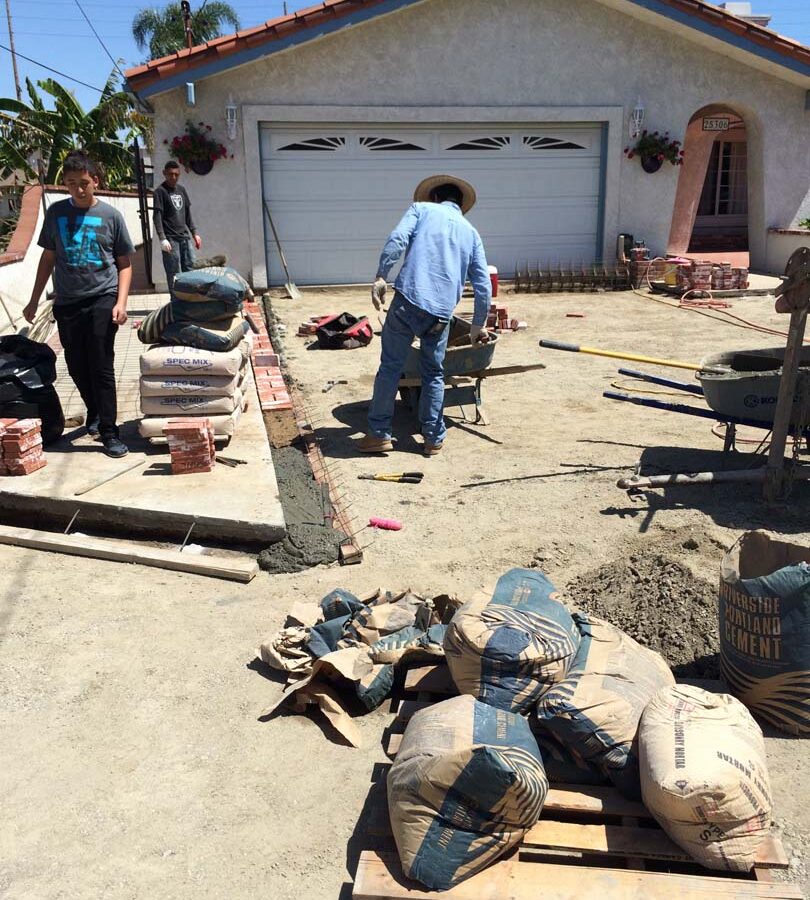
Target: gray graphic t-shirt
point(86, 243)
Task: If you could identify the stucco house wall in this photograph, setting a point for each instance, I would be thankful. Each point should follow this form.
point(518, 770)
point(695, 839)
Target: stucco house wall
point(478, 61)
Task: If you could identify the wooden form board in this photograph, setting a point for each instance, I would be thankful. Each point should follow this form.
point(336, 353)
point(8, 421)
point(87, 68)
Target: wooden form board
point(379, 877)
point(230, 568)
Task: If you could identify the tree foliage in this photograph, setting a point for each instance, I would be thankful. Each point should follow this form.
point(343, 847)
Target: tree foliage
point(33, 131)
point(162, 32)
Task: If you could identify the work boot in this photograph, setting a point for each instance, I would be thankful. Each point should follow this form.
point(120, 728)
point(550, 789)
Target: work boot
point(114, 447)
point(370, 443)
point(429, 449)
point(92, 425)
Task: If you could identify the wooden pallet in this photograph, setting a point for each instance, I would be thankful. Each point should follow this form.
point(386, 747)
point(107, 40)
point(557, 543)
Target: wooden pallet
point(589, 842)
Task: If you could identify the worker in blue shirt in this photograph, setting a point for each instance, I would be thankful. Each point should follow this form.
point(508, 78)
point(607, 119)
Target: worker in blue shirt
point(442, 251)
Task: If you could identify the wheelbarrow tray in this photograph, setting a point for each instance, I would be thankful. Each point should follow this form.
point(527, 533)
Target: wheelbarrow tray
point(750, 388)
point(461, 357)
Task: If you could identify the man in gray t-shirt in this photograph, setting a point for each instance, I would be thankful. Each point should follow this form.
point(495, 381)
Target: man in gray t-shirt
point(86, 246)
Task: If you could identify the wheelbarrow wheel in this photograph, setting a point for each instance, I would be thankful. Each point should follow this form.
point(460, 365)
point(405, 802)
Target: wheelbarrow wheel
point(410, 397)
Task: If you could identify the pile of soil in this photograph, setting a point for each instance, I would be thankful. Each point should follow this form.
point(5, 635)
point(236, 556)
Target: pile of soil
point(661, 604)
point(310, 539)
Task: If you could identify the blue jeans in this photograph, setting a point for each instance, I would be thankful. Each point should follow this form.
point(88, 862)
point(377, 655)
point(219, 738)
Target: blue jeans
point(404, 322)
point(181, 259)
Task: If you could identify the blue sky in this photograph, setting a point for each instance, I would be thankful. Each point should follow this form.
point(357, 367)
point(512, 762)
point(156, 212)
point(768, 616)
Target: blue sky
point(55, 33)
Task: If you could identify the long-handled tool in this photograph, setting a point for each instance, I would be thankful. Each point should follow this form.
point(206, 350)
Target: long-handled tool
point(290, 287)
point(400, 477)
point(634, 357)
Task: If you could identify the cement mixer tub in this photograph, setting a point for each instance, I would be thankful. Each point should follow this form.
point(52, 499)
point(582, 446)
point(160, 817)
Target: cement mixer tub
point(461, 358)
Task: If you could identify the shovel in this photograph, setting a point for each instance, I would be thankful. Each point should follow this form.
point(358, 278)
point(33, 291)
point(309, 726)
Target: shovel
point(290, 287)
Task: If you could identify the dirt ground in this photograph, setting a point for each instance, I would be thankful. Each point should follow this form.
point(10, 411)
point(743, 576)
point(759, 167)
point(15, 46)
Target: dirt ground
point(134, 761)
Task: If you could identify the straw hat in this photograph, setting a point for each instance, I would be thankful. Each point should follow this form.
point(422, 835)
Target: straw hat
point(424, 188)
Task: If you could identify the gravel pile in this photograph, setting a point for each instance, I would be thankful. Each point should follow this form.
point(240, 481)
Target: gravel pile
point(661, 604)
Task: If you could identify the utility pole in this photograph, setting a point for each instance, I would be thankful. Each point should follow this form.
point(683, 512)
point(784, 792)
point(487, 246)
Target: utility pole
point(13, 52)
point(185, 8)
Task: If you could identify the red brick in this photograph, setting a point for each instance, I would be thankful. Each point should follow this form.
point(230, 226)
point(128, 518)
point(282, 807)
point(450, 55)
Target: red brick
point(26, 468)
point(21, 444)
point(23, 426)
point(262, 359)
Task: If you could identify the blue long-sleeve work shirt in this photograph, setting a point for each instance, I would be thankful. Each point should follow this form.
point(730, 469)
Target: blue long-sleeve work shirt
point(442, 250)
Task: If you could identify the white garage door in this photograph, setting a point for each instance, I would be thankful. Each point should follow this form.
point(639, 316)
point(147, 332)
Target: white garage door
point(336, 192)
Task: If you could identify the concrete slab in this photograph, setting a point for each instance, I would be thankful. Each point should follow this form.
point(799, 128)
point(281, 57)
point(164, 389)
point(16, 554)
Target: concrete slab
point(239, 505)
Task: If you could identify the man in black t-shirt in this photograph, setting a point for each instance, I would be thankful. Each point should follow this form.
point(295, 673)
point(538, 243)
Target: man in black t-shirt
point(173, 223)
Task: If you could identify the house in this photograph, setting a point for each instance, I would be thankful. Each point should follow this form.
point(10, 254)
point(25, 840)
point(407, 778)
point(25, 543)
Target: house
point(337, 111)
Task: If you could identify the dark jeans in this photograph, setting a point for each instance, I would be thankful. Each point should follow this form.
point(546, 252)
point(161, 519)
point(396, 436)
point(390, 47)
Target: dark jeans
point(87, 333)
point(181, 259)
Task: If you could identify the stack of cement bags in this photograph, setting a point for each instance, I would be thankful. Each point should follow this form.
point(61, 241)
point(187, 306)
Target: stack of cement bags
point(198, 360)
point(205, 311)
point(467, 784)
point(185, 381)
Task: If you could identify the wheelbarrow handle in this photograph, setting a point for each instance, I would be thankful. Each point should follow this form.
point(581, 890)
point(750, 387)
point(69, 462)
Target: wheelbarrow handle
point(559, 345)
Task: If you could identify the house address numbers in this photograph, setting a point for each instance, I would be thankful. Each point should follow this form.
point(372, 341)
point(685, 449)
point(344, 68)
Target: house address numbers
point(714, 123)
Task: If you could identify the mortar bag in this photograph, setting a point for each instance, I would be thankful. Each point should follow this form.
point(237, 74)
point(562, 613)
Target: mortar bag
point(385, 614)
point(340, 602)
point(191, 405)
point(704, 775)
point(765, 628)
point(225, 336)
point(181, 360)
point(466, 785)
point(410, 645)
point(212, 283)
point(562, 764)
point(201, 385)
point(596, 710)
point(203, 312)
point(224, 426)
point(344, 332)
point(509, 648)
point(151, 329)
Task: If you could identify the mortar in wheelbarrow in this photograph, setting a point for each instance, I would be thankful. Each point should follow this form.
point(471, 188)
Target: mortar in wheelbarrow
point(462, 357)
point(750, 387)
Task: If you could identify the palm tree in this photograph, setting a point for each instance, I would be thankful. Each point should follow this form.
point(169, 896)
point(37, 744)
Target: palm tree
point(35, 132)
point(162, 31)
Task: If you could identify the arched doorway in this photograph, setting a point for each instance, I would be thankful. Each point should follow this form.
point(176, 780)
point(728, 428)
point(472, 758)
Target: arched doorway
point(711, 204)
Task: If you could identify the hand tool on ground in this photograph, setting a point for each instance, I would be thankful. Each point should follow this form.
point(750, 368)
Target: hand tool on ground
point(290, 287)
point(401, 477)
point(330, 384)
point(231, 461)
point(634, 357)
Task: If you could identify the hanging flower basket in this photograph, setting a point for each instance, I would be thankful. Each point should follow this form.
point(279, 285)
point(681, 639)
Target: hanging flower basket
point(654, 149)
point(196, 149)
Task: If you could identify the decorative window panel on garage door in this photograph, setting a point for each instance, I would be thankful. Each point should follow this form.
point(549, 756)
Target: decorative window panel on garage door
point(336, 192)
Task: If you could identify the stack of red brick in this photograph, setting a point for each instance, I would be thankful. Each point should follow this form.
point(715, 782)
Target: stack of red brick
point(191, 444)
point(21, 445)
point(273, 393)
point(707, 276)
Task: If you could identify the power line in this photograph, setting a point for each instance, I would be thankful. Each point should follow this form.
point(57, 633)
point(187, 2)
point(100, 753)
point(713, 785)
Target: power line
point(55, 71)
point(98, 38)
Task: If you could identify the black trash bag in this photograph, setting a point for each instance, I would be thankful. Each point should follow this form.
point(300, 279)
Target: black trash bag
point(27, 375)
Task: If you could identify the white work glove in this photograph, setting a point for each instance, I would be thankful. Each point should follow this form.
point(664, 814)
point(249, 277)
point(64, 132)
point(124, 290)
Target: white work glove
point(378, 290)
point(478, 334)
point(166, 246)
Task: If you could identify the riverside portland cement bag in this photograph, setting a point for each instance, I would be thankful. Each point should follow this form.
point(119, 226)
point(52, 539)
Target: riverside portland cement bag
point(704, 775)
point(466, 785)
point(180, 360)
point(508, 649)
point(596, 710)
point(765, 628)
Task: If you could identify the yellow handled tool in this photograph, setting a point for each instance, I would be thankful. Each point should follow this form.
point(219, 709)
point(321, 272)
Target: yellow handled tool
point(635, 357)
point(401, 477)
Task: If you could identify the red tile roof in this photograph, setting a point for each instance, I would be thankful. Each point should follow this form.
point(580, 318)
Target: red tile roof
point(282, 27)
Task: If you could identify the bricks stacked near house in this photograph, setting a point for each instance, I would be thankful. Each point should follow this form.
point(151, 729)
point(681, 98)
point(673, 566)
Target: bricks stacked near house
point(191, 445)
point(21, 450)
point(707, 276)
point(642, 269)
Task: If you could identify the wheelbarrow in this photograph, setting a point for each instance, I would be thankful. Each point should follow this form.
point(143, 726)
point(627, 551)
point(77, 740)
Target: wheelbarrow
point(466, 366)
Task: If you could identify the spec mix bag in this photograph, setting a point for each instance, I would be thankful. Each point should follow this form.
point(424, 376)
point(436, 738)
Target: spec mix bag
point(202, 385)
point(466, 785)
point(151, 329)
point(224, 426)
point(191, 404)
point(765, 628)
point(595, 711)
point(704, 776)
point(217, 336)
point(508, 649)
point(220, 283)
point(180, 360)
